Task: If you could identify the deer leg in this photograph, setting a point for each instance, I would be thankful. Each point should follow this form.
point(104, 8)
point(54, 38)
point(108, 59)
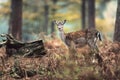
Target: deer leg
point(96, 49)
point(72, 45)
point(26, 75)
point(95, 44)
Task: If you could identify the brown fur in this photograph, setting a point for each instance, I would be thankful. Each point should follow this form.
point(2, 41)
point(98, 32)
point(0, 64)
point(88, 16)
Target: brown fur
point(87, 34)
point(75, 35)
point(79, 38)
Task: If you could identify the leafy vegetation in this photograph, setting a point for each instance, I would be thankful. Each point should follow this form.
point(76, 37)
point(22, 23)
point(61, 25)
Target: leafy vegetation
point(62, 63)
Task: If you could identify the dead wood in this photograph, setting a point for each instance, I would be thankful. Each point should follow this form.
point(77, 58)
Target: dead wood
point(28, 49)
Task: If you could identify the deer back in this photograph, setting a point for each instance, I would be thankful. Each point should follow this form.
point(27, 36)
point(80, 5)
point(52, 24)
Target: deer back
point(83, 37)
point(78, 37)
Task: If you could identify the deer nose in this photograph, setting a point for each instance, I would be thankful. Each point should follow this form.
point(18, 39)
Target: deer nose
point(59, 28)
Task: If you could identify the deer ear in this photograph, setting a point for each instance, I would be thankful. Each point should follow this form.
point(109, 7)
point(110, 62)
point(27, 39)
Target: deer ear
point(55, 22)
point(64, 21)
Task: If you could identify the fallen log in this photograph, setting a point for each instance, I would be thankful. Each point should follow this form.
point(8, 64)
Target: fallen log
point(28, 49)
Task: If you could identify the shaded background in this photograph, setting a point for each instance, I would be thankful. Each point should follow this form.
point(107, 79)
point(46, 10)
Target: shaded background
point(39, 14)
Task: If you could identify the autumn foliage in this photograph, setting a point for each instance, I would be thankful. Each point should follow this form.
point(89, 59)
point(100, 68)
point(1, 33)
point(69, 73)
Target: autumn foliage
point(62, 63)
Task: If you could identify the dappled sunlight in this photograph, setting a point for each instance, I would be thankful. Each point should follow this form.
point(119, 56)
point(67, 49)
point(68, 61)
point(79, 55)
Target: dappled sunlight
point(105, 25)
point(67, 16)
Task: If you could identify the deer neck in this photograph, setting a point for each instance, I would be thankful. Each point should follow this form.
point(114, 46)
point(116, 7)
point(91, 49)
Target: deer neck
point(62, 35)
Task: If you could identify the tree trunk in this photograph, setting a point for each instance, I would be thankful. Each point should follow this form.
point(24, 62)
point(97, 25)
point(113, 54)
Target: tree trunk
point(15, 25)
point(83, 8)
point(10, 22)
point(53, 13)
point(52, 27)
point(91, 13)
point(46, 8)
point(117, 24)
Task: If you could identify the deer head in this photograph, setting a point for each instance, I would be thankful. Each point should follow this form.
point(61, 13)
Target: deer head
point(60, 24)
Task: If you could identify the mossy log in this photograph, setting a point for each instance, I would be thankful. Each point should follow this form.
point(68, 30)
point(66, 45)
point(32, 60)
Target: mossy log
point(28, 49)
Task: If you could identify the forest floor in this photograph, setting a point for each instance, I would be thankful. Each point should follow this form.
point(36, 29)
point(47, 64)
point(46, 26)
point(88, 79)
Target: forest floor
point(61, 63)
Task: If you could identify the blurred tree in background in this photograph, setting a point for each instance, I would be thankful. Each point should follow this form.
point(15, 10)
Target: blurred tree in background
point(117, 24)
point(46, 13)
point(83, 11)
point(53, 12)
point(91, 13)
point(39, 14)
point(15, 25)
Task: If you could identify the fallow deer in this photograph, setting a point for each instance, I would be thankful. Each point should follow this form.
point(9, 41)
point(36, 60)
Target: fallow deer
point(79, 38)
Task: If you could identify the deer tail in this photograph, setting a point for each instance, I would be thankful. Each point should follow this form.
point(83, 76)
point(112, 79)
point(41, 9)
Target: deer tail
point(99, 36)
